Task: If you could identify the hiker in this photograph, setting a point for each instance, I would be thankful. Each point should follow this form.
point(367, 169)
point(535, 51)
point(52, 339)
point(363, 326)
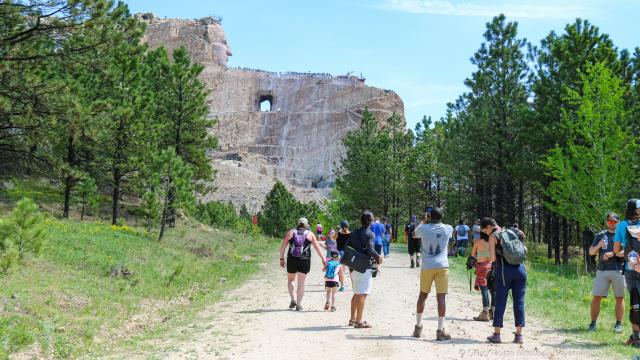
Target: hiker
point(461, 234)
point(483, 255)
point(476, 230)
point(386, 241)
point(508, 277)
point(435, 268)
point(333, 278)
point(413, 242)
point(343, 236)
point(319, 231)
point(608, 273)
point(331, 243)
point(378, 230)
point(298, 263)
point(627, 245)
point(362, 240)
point(516, 230)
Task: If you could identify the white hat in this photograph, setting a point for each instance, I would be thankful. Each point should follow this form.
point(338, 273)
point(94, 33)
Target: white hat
point(304, 221)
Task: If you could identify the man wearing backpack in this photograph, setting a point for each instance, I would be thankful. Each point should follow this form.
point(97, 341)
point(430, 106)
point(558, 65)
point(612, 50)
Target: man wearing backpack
point(413, 242)
point(461, 234)
point(510, 275)
point(627, 245)
point(298, 263)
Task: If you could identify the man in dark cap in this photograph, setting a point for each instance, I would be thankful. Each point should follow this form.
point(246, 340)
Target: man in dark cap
point(413, 242)
point(608, 274)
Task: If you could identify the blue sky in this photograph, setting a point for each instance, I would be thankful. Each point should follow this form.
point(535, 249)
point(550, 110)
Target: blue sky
point(418, 48)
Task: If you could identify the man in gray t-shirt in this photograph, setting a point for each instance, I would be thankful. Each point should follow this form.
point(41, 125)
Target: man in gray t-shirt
point(434, 237)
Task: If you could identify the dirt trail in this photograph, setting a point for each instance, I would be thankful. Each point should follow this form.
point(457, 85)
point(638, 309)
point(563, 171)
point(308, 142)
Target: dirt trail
point(253, 322)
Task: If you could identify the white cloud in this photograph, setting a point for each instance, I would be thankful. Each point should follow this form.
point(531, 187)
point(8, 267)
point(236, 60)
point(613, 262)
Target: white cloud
point(519, 9)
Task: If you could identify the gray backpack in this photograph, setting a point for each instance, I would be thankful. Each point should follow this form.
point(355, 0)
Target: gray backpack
point(514, 251)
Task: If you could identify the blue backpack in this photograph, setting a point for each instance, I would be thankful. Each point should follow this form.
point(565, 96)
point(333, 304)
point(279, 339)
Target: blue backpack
point(332, 267)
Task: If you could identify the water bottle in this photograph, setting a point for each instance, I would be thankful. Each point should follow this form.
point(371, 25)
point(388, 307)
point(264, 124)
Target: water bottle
point(633, 257)
point(606, 242)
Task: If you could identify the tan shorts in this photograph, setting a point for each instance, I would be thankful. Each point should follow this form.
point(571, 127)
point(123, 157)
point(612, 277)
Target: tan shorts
point(606, 278)
point(439, 276)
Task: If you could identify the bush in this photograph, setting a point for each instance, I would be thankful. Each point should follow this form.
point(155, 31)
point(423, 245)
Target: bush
point(220, 214)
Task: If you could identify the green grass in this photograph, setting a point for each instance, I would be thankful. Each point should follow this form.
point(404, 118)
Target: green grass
point(64, 303)
point(562, 297)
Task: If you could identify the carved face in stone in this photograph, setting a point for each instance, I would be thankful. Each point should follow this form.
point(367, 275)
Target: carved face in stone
point(221, 49)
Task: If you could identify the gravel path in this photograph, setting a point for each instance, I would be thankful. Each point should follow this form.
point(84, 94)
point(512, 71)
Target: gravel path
point(253, 322)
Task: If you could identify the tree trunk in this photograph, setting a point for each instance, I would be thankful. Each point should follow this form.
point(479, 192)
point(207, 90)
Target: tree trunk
point(587, 239)
point(84, 202)
point(548, 220)
point(565, 242)
point(163, 219)
point(556, 239)
point(115, 197)
point(68, 181)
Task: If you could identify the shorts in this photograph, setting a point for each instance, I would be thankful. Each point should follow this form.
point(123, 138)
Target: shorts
point(439, 276)
point(331, 284)
point(298, 265)
point(413, 245)
point(464, 243)
point(361, 282)
point(604, 278)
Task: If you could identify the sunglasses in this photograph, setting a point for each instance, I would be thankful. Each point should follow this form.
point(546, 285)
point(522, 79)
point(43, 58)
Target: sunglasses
point(612, 221)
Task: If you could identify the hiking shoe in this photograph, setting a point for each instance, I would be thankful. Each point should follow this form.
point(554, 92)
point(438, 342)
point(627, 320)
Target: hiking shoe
point(417, 263)
point(299, 308)
point(442, 336)
point(633, 341)
point(617, 328)
point(517, 338)
point(292, 305)
point(417, 331)
point(341, 289)
point(326, 306)
point(495, 338)
point(592, 327)
point(333, 308)
point(484, 316)
point(413, 264)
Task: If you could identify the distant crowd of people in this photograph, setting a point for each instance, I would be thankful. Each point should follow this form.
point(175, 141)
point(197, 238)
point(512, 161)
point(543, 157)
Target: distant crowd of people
point(497, 255)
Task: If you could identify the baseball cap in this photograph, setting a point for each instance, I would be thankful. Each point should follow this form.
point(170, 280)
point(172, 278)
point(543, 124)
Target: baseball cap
point(344, 224)
point(613, 216)
point(303, 221)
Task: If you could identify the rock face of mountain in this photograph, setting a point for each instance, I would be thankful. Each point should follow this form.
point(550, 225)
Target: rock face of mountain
point(271, 126)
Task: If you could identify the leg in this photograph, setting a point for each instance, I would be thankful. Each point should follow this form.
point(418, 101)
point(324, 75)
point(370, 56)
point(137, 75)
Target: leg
point(518, 290)
point(291, 278)
point(328, 293)
point(442, 305)
point(485, 297)
point(502, 293)
point(333, 295)
point(361, 300)
point(422, 298)
point(354, 307)
point(595, 307)
point(300, 292)
point(619, 308)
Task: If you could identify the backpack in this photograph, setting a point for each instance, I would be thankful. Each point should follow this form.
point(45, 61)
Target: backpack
point(298, 243)
point(514, 251)
point(332, 268)
point(463, 232)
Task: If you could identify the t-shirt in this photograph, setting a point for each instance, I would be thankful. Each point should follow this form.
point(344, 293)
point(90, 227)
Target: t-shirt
point(342, 240)
point(462, 229)
point(614, 263)
point(378, 230)
point(621, 233)
point(476, 231)
point(434, 238)
point(331, 245)
point(387, 229)
point(409, 229)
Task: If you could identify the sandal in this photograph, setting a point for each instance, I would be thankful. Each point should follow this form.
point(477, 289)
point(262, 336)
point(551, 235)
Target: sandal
point(326, 306)
point(352, 323)
point(363, 325)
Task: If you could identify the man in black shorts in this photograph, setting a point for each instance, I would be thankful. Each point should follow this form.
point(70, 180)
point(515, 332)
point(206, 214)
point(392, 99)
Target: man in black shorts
point(413, 242)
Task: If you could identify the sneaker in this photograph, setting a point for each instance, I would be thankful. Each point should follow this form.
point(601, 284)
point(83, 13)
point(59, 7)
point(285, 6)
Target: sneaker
point(417, 331)
point(326, 306)
point(442, 336)
point(341, 289)
point(517, 338)
point(633, 341)
point(413, 264)
point(292, 305)
point(484, 316)
point(495, 338)
point(592, 327)
point(299, 308)
point(333, 308)
point(417, 263)
point(617, 328)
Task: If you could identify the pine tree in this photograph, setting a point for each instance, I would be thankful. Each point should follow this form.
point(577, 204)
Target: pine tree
point(280, 211)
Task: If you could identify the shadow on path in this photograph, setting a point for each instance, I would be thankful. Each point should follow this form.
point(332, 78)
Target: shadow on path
point(318, 328)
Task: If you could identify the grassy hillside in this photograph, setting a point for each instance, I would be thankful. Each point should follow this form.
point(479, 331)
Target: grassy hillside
point(95, 285)
point(562, 297)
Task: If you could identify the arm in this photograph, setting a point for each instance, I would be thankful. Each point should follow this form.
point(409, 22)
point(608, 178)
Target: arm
point(371, 250)
point(315, 245)
point(596, 245)
point(285, 242)
point(474, 249)
point(618, 250)
point(341, 275)
point(493, 241)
